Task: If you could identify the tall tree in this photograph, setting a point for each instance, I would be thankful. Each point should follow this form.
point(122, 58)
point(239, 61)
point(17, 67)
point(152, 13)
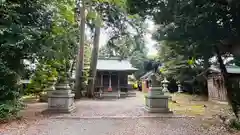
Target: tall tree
point(93, 65)
point(80, 56)
point(92, 7)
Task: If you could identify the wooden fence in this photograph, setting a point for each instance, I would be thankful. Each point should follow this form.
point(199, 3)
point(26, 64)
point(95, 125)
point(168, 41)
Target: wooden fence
point(216, 90)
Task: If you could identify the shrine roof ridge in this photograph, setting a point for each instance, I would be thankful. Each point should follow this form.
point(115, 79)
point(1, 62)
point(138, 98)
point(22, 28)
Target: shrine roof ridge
point(230, 69)
point(114, 64)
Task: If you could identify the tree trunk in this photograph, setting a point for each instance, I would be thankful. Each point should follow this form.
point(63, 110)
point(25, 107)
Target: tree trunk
point(205, 83)
point(80, 56)
point(227, 83)
point(72, 67)
point(93, 65)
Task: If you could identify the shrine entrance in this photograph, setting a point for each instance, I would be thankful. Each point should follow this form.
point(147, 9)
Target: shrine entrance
point(112, 75)
point(111, 81)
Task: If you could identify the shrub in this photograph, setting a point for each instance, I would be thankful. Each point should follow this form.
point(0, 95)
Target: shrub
point(9, 110)
point(9, 92)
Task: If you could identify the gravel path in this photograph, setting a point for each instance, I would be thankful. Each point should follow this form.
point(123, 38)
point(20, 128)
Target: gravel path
point(87, 121)
point(125, 107)
point(149, 126)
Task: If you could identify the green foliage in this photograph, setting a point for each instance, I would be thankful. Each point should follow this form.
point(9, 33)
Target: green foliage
point(9, 92)
point(137, 60)
point(197, 26)
point(175, 64)
point(9, 88)
point(199, 29)
point(44, 74)
point(33, 30)
point(123, 43)
point(111, 12)
point(9, 110)
point(131, 47)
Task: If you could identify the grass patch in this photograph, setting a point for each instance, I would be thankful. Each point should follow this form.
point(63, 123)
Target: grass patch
point(182, 106)
point(186, 109)
point(193, 105)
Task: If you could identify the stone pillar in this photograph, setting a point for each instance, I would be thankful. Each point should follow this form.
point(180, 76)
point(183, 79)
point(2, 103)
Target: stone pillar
point(156, 101)
point(62, 99)
point(118, 87)
point(110, 83)
point(101, 88)
point(101, 79)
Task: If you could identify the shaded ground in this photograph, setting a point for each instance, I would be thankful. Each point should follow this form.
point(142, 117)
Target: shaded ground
point(111, 117)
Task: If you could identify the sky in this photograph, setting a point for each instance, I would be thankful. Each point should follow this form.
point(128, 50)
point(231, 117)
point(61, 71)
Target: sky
point(148, 38)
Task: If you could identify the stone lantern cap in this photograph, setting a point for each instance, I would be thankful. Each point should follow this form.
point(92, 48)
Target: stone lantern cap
point(165, 81)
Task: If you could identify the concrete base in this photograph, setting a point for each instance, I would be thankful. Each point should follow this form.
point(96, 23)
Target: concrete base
point(157, 104)
point(61, 103)
point(61, 100)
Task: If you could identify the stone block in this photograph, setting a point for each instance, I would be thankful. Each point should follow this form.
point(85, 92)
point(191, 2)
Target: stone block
point(62, 103)
point(157, 110)
point(61, 100)
point(157, 104)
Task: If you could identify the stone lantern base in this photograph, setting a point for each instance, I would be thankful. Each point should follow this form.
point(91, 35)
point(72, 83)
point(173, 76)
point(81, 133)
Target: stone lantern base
point(61, 100)
point(156, 101)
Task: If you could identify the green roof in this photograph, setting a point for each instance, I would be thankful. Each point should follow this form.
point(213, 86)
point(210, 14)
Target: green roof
point(114, 64)
point(230, 69)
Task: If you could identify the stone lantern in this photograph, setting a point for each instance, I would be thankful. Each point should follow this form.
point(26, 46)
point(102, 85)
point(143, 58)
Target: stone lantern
point(179, 87)
point(165, 83)
point(156, 101)
point(62, 99)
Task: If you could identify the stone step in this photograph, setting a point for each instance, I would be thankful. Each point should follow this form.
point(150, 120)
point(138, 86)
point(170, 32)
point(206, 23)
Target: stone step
point(115, 94)
point(110, 94)
point(131, 94)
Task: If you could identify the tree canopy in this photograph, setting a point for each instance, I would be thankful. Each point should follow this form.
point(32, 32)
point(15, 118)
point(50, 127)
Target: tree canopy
point(47, 34)
point(38, 31)
point(193, 23)
point(195, 31)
